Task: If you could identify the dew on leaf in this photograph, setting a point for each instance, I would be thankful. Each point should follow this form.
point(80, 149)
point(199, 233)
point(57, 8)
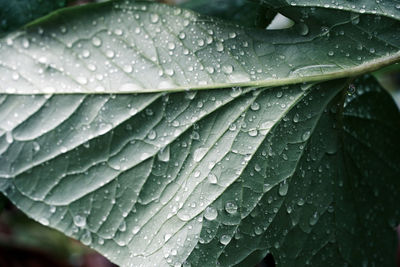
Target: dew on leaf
point(283, 188)
point(210, 213)
point(231, 207)
point(86, 238)
point(225, 239)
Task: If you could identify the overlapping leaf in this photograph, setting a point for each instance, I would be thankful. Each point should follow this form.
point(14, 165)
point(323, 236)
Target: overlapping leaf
point(147, 47)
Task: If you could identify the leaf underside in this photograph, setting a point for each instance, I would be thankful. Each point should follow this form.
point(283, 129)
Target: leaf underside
point(210, 176)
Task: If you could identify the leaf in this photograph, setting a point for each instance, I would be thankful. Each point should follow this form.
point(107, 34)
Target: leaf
point(15, 14)
point(211, 176)
point(245, 13)
point(120, 46)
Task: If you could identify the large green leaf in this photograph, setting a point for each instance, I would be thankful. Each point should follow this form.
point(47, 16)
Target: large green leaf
point(147, 47)
point(308, 171)
point(16, 13)
point(212, 176)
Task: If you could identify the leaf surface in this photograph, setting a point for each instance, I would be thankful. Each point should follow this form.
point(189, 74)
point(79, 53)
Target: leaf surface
point(120, 46)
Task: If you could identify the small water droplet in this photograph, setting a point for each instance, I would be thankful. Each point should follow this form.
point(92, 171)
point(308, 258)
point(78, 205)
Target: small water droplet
point(219, 46)
point(9, 137)
point(313, 219)
point(122, 226)
point(171, 46)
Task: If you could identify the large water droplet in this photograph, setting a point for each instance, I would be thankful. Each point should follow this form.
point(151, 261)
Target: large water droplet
point(212, 178)
point(306, 135)
point(164, 154)
point(86, 238)
point(154, 18)
point(210, 213)
point(96, 41)
point(225, 239)
point(80, 221)
point(231, 207)
point(283, 188)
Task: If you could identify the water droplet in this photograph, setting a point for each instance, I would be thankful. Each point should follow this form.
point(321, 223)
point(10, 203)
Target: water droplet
point(164, 154)
point(110, 54)
point(85, 53)
point(212, 178)
point(152, 135)
point(135, 230)
point(182, 35)
point(253, 132)
point(231, 207)
point(235, 92)
point(306, 135)
point(258, 230)
point(122, 226)
point(351, 90)
point(300, 202)
point(96, 41)
point(86, 238)
point(100, 241)
point(80, 221)
point(200, 42)
point(302, 28)
point(9, 137)
point(283, 188)
point(255, 106)
point(154, 18)
point(313, 219)
point(228, 69)
point(219, 46)
point(167, 237)
point(225, 239)
point(210, 213)
point(199, 154)
point(52, 209)
point(171, 46)
point(25, 43)
point(44, 221)
point(331, 53)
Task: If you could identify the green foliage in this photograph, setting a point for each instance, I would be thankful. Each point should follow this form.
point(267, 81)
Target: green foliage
point(222, 143)
point(14, 14)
